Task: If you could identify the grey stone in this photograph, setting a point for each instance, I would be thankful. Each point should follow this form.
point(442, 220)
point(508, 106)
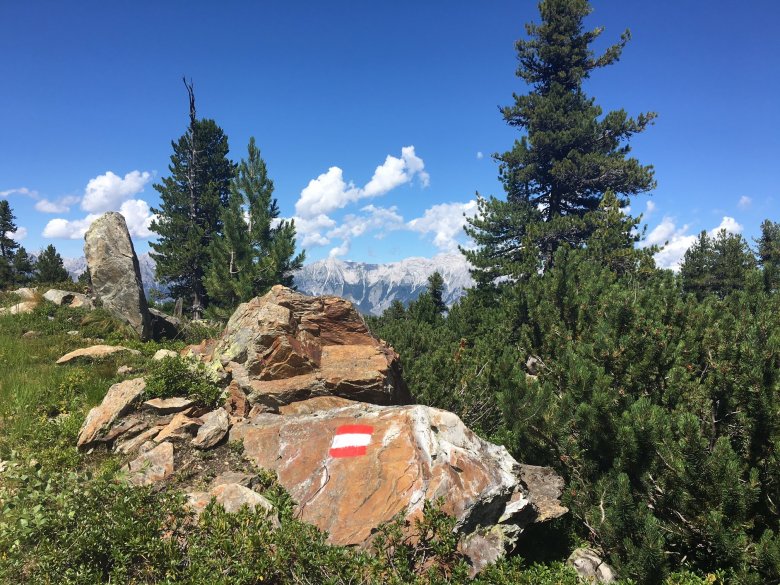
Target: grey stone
point(116, 275)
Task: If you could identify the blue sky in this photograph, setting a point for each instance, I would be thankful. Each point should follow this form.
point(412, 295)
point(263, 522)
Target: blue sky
point(376, 120)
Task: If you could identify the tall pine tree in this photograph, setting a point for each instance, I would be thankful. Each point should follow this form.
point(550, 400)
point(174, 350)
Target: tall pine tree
point(257, 250)
point(192, 198)
point(8, 245)
point(570, 153)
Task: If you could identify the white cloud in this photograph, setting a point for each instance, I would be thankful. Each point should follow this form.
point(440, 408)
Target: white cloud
point(729, 224)
point(19, 234)
point(330, 191)
point(68, 229)
point(650, 207)
point(676, 241)
point(135, 211)
point(310, 229)
point(19, 191)
point(445, 221)
point(138, 216)
point(339, 250)
point(62, 205)
point(744, 202)
point(326, 193)
point(480, 156)
point(108, 191)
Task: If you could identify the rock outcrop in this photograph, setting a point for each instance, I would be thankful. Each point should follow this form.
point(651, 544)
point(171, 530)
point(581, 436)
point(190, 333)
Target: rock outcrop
point(312, 396)
point(116, 276)
point(352, 468)
point(590, 566)
point(285, 347)
point(19, 308)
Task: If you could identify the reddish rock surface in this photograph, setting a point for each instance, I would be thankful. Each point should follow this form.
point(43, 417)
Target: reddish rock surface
point(152, 466)
point(285, 347)
point(352, 468)
point(117, 402)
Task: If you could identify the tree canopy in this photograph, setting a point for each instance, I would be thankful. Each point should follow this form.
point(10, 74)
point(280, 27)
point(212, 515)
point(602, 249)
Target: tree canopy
point(569, 155)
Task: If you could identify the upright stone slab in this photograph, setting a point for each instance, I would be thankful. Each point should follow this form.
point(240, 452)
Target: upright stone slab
point(116, 276)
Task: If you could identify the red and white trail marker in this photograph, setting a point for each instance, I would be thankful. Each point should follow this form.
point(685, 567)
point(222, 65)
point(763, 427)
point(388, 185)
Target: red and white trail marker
point(351, 441)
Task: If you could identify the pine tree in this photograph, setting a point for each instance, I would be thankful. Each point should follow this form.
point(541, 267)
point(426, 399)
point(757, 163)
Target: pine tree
point(50, 267)
point(769, 254)
point(436, 291)
point(256, 250)
point(569, 156)
point(192, 198)
point(716, 265)
point(23, 267)
point(7, 226)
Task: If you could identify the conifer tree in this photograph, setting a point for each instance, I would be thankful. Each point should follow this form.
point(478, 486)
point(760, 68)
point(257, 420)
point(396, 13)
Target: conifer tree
point(50, 267)
point(569, 155)
point(192, 198)
point(716, 265)
point(256, 250)
point(23, 266)
point(769, 254)
point(436, 291)
point(7, 226)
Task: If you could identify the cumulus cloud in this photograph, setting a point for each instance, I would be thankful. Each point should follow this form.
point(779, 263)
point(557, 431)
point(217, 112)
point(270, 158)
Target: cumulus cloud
point(135, 211)
point(650, 207)
point(330, 191)
point(62, 205)
point(19, 234)
point(108, 191)
point(445, 221)
point(480, 156)
point(744, 202)
point(138, 216)
point(380, 220)
point(676, 240)
point(68, 229)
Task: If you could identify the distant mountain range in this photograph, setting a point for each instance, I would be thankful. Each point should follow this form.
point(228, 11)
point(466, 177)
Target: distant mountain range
point(372, 287)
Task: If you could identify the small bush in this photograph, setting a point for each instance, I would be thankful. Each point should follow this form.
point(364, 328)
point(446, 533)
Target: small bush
point(175, 376)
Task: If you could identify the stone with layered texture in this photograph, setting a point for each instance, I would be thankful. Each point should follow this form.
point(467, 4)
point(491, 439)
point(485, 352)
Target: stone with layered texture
point(284, 347)
point(152, 466)
point(215, 426)
point(118, 400)
point(115, 273)
point(354, 467)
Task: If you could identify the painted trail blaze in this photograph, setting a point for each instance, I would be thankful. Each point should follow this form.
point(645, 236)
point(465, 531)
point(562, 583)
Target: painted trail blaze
point(351, 441)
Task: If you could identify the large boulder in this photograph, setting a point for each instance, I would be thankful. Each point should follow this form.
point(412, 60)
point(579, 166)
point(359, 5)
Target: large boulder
point(352, 468)
point(115, 273)
point(285, 347)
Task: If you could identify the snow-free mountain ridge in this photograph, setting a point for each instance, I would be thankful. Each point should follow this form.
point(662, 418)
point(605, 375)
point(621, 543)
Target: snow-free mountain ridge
point(371, 287)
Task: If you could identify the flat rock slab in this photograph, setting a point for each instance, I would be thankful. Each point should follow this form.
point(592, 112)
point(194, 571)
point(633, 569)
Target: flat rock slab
point(168, 405)
point(95, 352)
point(353, 468)
point(117, 402)
point(247, 480)
point(215, 426)
point(26, 294)
point(233, 497)
point(152, 466)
